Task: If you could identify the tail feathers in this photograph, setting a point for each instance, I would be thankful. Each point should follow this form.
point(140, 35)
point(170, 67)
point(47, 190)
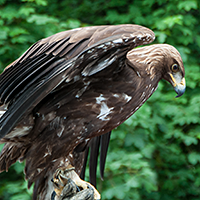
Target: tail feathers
point(10, 154)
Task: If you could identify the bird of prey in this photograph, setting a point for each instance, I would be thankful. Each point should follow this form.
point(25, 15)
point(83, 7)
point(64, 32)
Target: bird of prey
point(68, 90)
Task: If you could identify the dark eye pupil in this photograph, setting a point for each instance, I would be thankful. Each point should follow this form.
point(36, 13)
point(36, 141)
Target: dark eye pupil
point(175, 67)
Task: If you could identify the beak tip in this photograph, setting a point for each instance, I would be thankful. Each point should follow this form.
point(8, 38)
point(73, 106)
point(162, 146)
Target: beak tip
point(179, 91)
point(178, 87)
point(178, 96)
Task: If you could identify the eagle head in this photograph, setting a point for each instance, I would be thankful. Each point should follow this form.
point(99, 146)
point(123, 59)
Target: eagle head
point(159, 61)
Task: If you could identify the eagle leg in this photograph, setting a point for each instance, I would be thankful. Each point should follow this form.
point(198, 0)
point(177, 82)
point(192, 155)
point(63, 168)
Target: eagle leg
point(66, 181)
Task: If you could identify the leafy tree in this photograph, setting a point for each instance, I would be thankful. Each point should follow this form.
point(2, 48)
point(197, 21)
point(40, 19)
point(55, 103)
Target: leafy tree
point(155, 153)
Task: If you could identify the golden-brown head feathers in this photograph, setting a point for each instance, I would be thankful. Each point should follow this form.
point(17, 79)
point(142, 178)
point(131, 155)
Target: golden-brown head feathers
point(159, 60)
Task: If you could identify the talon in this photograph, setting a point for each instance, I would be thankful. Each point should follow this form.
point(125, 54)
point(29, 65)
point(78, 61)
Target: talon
point(62, 177)
point(78, 188)
point(83, 184)
point(53, 195)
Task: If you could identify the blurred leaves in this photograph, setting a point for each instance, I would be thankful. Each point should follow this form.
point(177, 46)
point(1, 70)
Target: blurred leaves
point(188, 5)
point(155, 153)
point(41, 19)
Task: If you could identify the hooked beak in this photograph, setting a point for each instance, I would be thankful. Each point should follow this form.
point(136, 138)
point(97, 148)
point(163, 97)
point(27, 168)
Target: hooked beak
point(179, 87)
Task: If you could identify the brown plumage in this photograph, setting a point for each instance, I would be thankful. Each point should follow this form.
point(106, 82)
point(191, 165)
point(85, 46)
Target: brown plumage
point(74, 86)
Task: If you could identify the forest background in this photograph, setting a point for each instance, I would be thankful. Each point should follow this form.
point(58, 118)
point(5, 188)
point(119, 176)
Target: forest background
point(155, 154)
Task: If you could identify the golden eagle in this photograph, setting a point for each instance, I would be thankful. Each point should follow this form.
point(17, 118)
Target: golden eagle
point(69, 89)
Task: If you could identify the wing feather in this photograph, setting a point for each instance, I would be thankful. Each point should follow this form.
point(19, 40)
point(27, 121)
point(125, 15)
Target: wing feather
point(26, 77)
point(42, 70)
point(30, 98)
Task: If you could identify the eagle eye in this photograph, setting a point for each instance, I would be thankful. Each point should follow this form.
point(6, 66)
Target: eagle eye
point(175, 68)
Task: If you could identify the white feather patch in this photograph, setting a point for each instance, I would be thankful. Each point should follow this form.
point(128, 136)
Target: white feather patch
point(104, 112)
point(19, 132)
point(126, 97)
point(2, 112)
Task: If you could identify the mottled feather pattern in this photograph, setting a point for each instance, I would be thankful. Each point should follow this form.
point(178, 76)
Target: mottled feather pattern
point(85, 55)
point(68, 90)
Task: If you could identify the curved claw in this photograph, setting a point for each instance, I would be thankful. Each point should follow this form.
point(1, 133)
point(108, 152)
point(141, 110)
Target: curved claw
point(66, 183)
point(53, 195)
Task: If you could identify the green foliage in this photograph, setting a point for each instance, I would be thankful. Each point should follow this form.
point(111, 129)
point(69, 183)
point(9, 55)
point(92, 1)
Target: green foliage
point(155, 153)
point(12, 184)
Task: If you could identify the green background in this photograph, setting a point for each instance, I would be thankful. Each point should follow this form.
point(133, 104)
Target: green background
point(155, 153)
